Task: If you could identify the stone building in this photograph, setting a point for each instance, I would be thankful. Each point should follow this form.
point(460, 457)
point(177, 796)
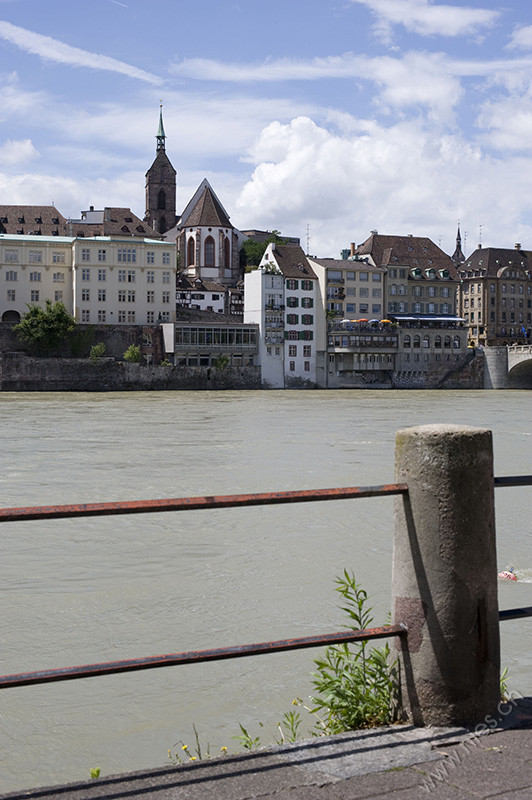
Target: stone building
point(495, 296)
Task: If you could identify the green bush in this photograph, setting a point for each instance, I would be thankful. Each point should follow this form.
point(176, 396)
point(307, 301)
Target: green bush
point(133, 354)
point(97, 351)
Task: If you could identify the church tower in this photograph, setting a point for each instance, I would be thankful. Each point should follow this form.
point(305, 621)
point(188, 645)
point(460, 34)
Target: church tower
point(161, 187)
point(458, 257)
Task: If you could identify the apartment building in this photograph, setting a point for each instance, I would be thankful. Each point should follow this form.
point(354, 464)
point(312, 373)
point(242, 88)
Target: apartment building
point(113, 280)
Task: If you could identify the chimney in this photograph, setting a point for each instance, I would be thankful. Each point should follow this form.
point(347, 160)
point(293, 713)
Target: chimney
point(353, 248)
point(518, 245)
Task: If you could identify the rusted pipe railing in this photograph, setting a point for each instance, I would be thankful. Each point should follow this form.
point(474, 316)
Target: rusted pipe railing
point(195, 503)
point(197, 656)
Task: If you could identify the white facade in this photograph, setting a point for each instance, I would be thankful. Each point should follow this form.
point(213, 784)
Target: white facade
point(282, 296)
point(100, 279)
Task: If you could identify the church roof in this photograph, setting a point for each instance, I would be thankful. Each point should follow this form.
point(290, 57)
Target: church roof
point(205, 210)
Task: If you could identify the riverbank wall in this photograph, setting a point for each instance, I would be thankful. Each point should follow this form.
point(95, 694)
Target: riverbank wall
point(22, 373)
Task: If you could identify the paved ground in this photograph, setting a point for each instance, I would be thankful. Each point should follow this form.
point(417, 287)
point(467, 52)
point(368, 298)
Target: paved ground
point(400, 762)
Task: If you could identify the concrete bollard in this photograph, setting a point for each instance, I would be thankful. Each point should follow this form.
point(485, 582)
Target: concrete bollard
point(444, 582)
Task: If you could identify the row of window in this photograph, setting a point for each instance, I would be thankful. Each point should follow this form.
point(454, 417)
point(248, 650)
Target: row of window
point(350, 308)
point(124, 295)
point(295, 335)
point(292, 350)
point(123, 316)
point(421, 308)
point(334, 293)
point(306, 366)
point(418, 291)
point(520, 289)
point(293, 302)
point(208, 252)
point(124, 276)
point(306, 319)
point(306, 285)
point(505, 317)
point(416, 342)
point(124, 255)
point(338, 276)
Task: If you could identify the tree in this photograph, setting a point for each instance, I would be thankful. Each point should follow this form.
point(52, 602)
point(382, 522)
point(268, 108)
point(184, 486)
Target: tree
point(253, 250)
point(133, 354)
point(45, 329)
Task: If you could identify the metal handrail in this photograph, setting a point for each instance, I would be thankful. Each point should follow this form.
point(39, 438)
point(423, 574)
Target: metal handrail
point(209, 502)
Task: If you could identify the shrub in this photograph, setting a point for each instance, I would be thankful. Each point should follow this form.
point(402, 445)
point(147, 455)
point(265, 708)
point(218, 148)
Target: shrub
point(97, 351)
point(133, 354)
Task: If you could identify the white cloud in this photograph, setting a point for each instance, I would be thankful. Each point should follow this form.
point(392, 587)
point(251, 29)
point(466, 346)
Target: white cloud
point(50, 49)
point(429, 19)
point(399, 179)
point(15, 100)
point(17, 151)
point(417, 79)
point(521, 38)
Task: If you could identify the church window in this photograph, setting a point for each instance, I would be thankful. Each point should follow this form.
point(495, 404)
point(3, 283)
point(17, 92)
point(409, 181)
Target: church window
point(190, 251)
point(161, 199)
point(209, 251)
point(227, 253)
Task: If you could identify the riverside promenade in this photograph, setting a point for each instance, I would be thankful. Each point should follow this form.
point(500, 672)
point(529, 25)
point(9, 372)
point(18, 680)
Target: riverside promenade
point(402, 761)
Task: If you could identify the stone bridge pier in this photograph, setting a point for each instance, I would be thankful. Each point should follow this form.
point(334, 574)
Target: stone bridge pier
point(508, 367)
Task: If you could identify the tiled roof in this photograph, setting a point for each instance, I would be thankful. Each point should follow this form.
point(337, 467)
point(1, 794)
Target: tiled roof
point(47, 221)
point(208, 212)
point(292, 261)
point(406, 251)
point(487, 261)
point(339, 263)
point(37, 220)
point(116, 222)
point(197, 284)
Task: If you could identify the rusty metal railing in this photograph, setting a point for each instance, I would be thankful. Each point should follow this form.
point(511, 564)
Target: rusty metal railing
point(211, 502)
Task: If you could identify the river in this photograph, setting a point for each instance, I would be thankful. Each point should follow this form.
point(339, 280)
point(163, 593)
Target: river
point(88, 590)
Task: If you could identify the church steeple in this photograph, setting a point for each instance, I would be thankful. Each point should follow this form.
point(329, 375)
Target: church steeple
point(160, 132)
point(161, 186)
point(458, 257)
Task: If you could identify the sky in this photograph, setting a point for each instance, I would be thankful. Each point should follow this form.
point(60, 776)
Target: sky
point(324, 119)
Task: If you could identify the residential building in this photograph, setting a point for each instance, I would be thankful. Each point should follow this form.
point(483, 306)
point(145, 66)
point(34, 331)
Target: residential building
point(112, 280)
point(495, 296)
point(282, 297)
point(420, 277)
point(201, 295)
point(47, 221)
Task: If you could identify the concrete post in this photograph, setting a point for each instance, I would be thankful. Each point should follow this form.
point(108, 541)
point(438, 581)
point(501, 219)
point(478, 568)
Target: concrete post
point(445, 575)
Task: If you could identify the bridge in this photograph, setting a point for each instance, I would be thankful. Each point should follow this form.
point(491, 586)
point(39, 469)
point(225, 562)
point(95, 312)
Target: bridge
point(508, 367)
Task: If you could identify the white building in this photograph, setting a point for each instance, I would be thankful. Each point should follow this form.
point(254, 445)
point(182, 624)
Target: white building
point(282, 297)
point(109, 279)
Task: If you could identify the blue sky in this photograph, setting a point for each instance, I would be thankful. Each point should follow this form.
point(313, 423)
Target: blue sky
point(405, 116)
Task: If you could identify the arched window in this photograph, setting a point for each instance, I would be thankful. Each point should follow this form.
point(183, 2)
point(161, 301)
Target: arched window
point(191, 249)
point(447, 341)
point(437, 342)
point(227, 253)
point(426, 341)
point(161, 199)
point(209, 252)
point(456, 343)
point(407, 342)
point(162, 225)
point(417, 341)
